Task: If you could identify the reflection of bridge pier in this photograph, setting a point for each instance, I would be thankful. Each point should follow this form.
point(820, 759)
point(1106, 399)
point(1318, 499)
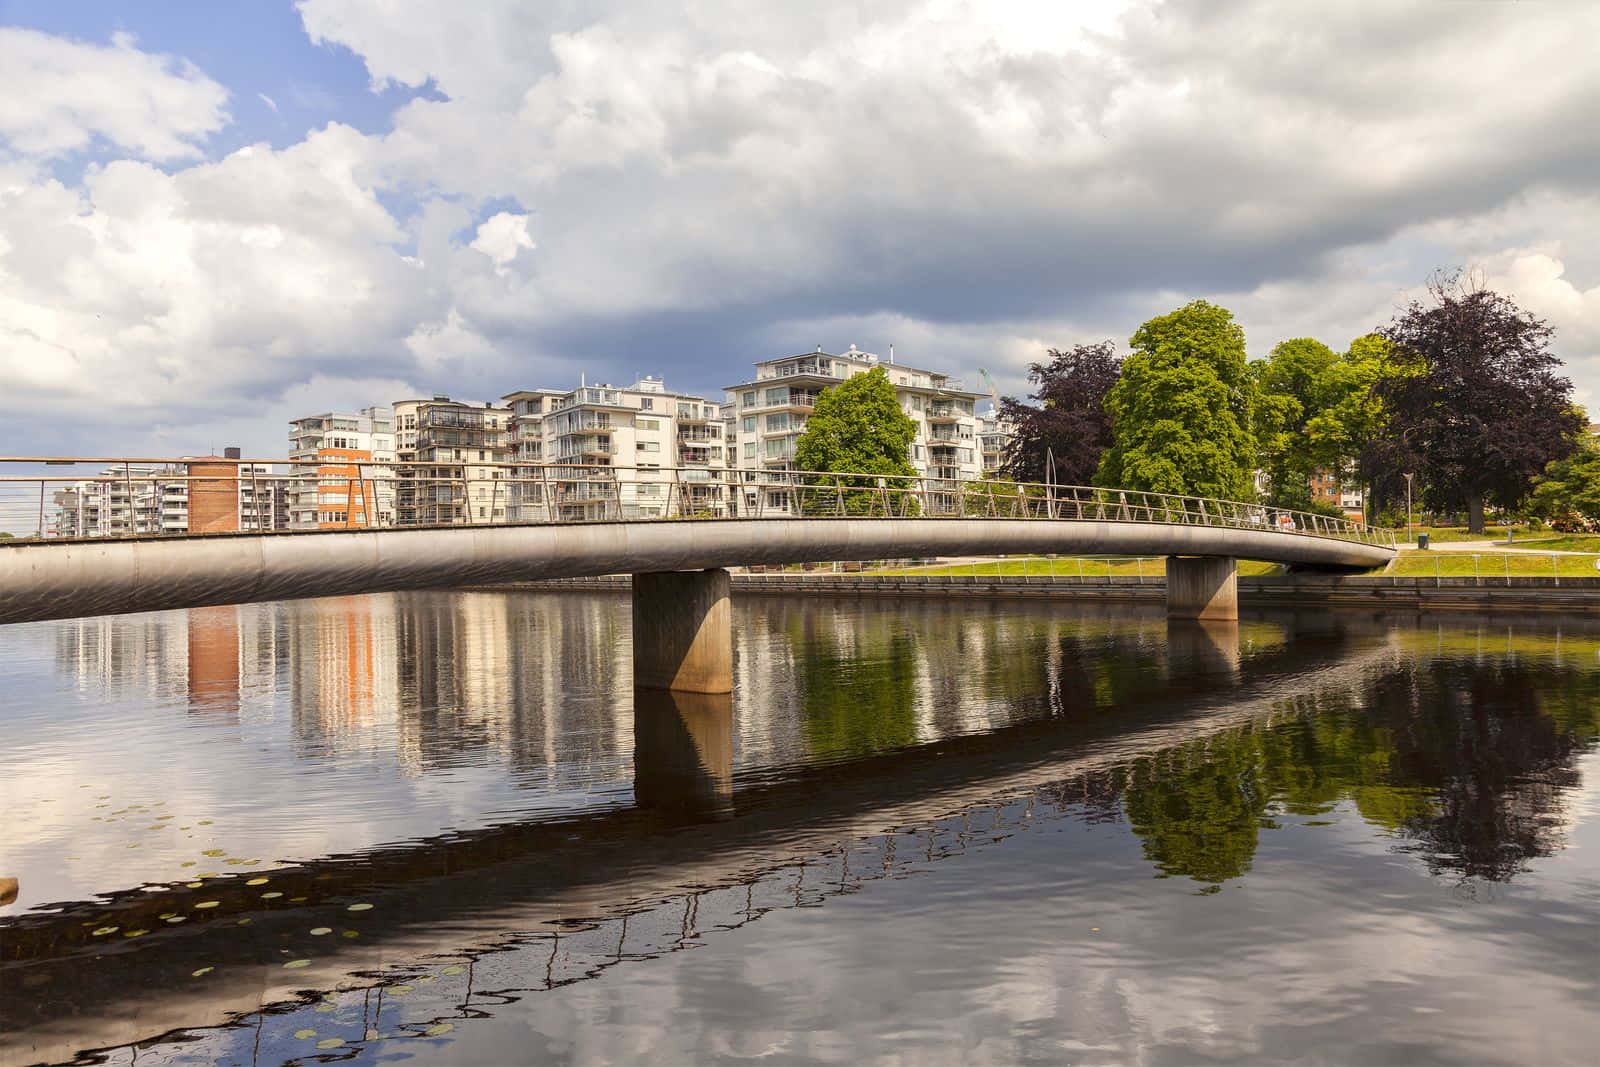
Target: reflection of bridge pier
point(1209, 647)
point(683, 753)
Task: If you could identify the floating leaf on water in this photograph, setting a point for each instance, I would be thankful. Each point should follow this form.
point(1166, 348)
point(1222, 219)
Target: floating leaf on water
point(104, 930)
point(234, 861)
point(177, 919)
point(351, 933)
point(424, 978)
point(215, 852)
point(272, 895)
point(194, 885)
point(189, 863)
point(258, 881)
point(303, 1034)
point(297, 900)
point(244, 921)
point(209, 874)
point(209, 904)
point(400, 990)
point(372, 1035)
point(202, 971)
point(249, 862)
point(359, 907)
point(295, 965)
point(318, 931)
point(135, 933)
point(166, 915)
point(323, 1009)
point(454, 968)
point(134, 845)
point(330, 1042)
point(203, 822)
point(440, 1030)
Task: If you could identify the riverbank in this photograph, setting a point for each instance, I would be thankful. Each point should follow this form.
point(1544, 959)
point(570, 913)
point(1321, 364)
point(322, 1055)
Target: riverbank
point(1521, 594)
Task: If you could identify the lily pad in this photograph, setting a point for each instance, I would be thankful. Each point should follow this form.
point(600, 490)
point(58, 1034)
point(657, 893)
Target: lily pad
point(295, 965)
point(201, 972)
point(208, 904)
point(439, 1030)
point(318, 931)
point(330, 1042)
point(454, 968)
point(258, 881)
point(271, 895)
point(215, 852)
point(135, 933)
point(359, 907)
point(303, 1034)
point(104, 930)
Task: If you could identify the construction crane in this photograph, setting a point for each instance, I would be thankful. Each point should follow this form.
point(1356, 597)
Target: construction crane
point(994, 393)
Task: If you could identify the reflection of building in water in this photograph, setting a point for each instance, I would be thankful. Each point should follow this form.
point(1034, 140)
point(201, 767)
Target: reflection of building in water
point(345, 677)
point(206, 658)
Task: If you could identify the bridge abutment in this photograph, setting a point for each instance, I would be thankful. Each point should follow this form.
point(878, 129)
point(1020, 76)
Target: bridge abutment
point(682, 631)
point(1202, 587)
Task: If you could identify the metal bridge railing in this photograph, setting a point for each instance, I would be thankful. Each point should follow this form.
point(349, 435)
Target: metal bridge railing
point(57, 498)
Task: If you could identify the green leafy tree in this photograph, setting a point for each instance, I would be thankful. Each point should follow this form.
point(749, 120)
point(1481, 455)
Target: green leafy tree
point(857, 428)
point(1295, 385)
point(1353, 415)
point(1183, 411)
point(1570, 487)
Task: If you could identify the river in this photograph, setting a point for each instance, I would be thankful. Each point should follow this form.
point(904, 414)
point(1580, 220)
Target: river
point(441, 827)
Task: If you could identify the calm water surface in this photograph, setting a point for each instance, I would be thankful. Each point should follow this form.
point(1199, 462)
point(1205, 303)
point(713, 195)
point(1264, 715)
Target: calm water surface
point(442, 828)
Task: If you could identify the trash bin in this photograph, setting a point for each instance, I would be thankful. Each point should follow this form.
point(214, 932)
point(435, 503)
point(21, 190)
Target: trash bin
point(1422, 540)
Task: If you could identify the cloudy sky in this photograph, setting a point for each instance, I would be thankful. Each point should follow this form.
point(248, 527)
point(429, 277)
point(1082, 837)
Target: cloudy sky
point(215, 218)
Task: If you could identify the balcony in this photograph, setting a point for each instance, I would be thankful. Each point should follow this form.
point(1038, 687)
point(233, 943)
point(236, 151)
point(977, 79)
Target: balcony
point(806, 368)
point(943, 413)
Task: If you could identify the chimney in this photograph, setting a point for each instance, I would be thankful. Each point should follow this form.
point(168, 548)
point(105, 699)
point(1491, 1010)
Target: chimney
point(891, 353)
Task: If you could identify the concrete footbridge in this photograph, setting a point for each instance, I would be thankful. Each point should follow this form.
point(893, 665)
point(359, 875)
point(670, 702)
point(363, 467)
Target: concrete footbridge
point(662, 527)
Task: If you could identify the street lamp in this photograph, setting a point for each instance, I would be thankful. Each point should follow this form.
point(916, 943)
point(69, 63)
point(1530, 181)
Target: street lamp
point(1408, 505)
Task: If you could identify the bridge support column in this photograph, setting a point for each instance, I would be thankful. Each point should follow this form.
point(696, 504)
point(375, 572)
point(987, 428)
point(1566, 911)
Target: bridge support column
point(683, 754)
point(1202, 587)
point(682, 632)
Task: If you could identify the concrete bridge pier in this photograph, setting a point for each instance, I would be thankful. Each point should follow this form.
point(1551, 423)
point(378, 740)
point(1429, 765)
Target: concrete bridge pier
point(682, 631)
point(683, 754)
point(1202, 587)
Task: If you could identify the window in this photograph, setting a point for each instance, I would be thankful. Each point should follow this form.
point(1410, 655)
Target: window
point(749, 400)
point(647, 404)
point(749, 424)
point(777, 422)
point(649, 446)
point(777, 396)
point(749, 450)
point(649, 424)
point(919, 452)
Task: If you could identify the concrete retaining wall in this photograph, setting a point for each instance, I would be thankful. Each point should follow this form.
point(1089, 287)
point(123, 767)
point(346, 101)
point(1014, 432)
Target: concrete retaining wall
point(1291, 591)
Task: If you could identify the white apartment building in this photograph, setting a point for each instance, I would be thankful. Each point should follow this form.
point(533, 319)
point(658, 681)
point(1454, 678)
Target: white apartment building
point(454, 462)
point(769, 414)
point(342, 466)
point(142, 498)
point(994, 434)
point(600, 451)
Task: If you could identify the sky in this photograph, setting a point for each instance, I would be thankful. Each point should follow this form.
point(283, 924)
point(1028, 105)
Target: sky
point(217, 218)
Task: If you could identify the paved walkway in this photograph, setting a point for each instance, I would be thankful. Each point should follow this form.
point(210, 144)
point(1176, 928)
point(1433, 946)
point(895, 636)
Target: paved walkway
point(1494, 548)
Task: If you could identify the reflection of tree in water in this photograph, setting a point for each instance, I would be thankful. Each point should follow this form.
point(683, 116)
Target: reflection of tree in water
point(1467, 762)
point(860, 699)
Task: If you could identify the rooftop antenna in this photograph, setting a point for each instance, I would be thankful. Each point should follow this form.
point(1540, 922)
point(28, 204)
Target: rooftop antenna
point(891, 351)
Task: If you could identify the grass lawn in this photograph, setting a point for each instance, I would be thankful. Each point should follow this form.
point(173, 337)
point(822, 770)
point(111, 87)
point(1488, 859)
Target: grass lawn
point(1459, 533)
point(1416, 564)
point(1063, 566)
point(1560, 542)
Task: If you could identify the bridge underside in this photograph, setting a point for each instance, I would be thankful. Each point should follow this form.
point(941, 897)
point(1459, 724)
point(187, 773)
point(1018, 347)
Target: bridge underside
point(55, 580)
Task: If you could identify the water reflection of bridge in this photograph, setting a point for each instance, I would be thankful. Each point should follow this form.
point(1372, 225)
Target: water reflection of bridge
point(697, 824)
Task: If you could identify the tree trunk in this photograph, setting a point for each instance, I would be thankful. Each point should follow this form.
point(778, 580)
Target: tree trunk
point(1475, 513)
